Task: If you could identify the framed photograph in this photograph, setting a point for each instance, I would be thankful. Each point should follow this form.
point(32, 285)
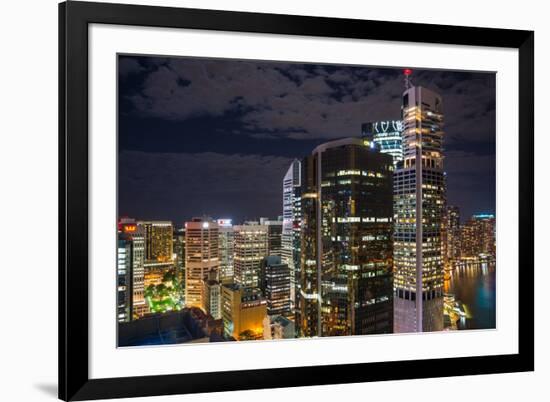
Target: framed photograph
point(257, 201)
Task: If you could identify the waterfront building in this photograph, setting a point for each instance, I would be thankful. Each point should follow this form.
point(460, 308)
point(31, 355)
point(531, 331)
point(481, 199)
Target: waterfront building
point(478, 237)
point(243, 312)
point(250, 248)
point(387, 135)
point(346, 242)
point(419, 199)
point(450, 235)
point(275, 285)
point(226, 245)
point(201, 257)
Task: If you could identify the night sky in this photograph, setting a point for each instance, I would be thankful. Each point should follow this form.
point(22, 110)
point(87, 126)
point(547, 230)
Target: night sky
point(210, 136)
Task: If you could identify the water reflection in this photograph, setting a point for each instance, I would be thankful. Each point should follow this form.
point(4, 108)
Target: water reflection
point(474, 284)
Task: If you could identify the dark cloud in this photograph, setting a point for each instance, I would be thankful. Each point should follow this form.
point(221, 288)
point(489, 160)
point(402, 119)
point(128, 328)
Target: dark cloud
point(180, 186)
point(282, 110)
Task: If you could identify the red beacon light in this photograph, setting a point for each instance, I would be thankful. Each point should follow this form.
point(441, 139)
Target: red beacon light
point(407, 71)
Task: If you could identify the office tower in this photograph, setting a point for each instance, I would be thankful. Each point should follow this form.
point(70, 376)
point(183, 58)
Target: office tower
point(211, 295)
point(275, 285)
point(478, 238)
point(243, 312)
point(450, 235)
point(226, 242)
point(158, 240)
point(387, 135)
point(179, 253)
point(274, 235)
point(419, 197)
point(250, 248)
point(346, 240)
point(133, 236)
point(124, 279)
point(201, 256)
point(290, 236)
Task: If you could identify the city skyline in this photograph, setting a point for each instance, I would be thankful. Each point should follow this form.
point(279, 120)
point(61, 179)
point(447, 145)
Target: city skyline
point(244, 140)
point(371, 233)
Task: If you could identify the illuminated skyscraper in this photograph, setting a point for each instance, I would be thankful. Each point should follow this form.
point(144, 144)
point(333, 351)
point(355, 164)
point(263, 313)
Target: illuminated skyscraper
point(132, 237)
point(179, 252)
point(478, 237)
point(275, 285)
point(419, 199)
point(158, 240)
point(450, 235)
point(387, 135)
point(346, 245)
point(274, 234)
point(226, 243)
point(201, 257)
point(251, 246)
point(124, 279)
point(290, 237)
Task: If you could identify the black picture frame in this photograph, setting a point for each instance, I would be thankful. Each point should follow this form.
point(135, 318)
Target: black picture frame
point(74, 18)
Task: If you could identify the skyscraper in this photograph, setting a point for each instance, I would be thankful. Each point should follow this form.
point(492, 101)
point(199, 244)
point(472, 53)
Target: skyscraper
point(450, 235)
point(347, 254)
point(132, 235)
point(274, 234)
point(290, 236)
point(478, 237)
point(275, 285)
point(211, 295)
point(387, 135)
point(201, 257)
point(251, 246)
point(226, 244)
point(419, 199)
point(124, 279)
point(158, 240)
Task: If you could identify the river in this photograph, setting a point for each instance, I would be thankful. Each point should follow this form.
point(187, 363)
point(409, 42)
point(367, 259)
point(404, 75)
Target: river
point(474, 284)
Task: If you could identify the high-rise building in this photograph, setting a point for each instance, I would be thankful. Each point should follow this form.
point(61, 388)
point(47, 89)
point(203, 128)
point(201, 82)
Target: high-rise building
point(158, 240)
point(243, 312)
point(201, 257)
point(226, 243)
point(274, 235)
point(211, 295)
point(387, 135)
point(124, 279)
point(419, 199)
point(179, 252)
point(450, 235)
point(132, 235)
point(347, 258)
point(251, 246)
point(478, 237)
point(290, 236)
point(275, 285)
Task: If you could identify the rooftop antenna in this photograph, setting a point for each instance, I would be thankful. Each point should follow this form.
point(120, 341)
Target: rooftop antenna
point(407, 72)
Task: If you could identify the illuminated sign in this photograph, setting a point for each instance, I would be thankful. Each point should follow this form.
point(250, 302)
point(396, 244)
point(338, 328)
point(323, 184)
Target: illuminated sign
point(129, 228)
point(224, 222)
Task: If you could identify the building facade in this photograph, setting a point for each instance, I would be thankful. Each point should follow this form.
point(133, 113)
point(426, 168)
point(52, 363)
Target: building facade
point(388, 137)
point(450, 236)
point(275, 286)
point(346, 244)
point(419, 200)
point(243, 312)
point(158, 240)
point(274, 235)
point(478, 240)
point(226, 244)
point(211, 295)
point(250, 248)
point(201, 257)
point(290, 236)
